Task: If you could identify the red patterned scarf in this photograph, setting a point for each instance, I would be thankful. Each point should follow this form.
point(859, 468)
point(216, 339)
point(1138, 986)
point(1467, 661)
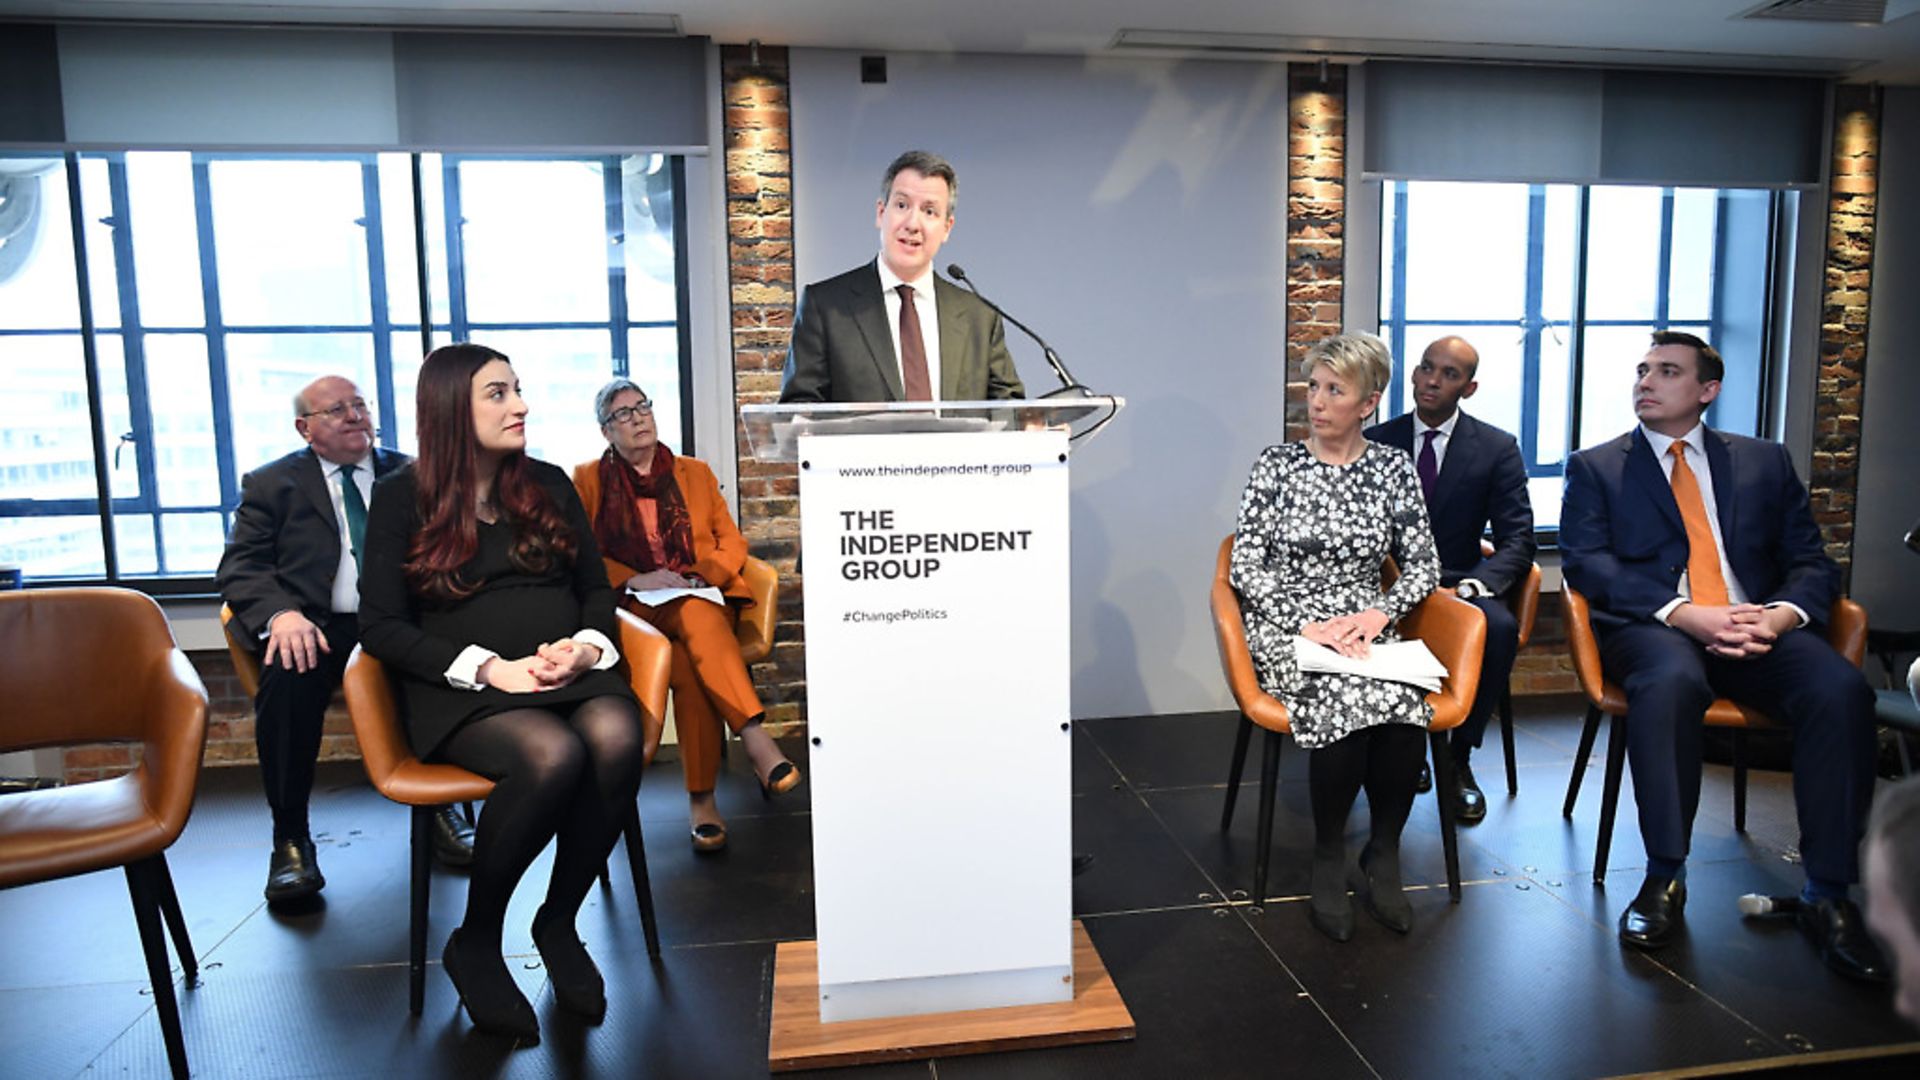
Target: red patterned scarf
point(619, 528)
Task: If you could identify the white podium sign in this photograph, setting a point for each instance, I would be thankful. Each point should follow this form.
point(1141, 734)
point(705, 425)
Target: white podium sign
point(938, 684)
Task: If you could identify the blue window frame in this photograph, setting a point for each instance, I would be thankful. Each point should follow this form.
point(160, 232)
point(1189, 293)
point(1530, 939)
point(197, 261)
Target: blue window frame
point(201, 288)
point(1558, 286)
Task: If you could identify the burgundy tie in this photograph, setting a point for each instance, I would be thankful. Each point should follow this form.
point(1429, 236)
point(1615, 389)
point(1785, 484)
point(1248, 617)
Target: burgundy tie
point(913, 350)
point(1428, 466)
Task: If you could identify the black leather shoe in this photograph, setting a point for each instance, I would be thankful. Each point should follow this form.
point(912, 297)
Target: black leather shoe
point(1649, 921)
point(1839, 935)
point(294, 872)
point(452, 837)
point(1469, 802)
point(493, 1002)
point(1425, 783)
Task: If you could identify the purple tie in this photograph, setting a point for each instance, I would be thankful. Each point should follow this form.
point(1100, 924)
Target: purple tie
point(1428, 466)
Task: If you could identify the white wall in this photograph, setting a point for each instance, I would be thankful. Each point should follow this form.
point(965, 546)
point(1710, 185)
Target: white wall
point(1886, 576)
point(1134, 212)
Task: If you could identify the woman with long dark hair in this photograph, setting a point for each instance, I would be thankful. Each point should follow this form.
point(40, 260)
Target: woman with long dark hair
point(483, 591)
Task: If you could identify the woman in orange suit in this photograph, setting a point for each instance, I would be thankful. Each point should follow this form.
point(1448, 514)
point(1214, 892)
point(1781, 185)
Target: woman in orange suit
point(661, 524)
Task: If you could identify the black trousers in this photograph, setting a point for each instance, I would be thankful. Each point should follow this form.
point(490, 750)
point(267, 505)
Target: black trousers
point(1670, 680)
point(288, 713)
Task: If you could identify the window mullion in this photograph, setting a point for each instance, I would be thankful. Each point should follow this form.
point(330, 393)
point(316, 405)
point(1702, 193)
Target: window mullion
point(456, 250)
point(217, 376)
point(616, 263)
point(682, 299)
point(373, 226)
point(1577, 332)
point(1534, 319)
point(90, 358)
point(1397, 316)
point(133, 350)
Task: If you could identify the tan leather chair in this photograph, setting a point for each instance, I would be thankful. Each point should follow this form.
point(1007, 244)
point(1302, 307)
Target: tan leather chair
point(246, 661)
point(1525, 602)
point(404, 778)
point(757, 621)
point(154, 698)
point(1846, 632)
point(1455, 631)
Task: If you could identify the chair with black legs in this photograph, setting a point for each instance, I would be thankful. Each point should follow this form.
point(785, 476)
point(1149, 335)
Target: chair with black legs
point(1453, 629)
point(1846, 632)
point(1524, 600)
point(155, 699)
point(420, 786)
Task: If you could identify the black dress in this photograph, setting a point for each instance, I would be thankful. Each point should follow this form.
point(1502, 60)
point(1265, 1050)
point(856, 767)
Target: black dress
point(512, 613)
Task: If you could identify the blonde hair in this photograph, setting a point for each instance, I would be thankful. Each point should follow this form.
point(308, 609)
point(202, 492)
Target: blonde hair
point(1360, 360)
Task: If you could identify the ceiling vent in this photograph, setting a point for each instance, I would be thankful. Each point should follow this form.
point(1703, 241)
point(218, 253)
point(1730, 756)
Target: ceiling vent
point(1855, 12)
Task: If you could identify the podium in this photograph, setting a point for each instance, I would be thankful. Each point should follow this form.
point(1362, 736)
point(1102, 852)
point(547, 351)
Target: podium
point(938, 679)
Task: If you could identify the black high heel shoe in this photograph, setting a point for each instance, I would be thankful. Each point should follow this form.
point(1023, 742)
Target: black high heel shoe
point(1329, 907)
point(784, 778)
point(577, 983)
point(1385, 897)
point(500, 1009)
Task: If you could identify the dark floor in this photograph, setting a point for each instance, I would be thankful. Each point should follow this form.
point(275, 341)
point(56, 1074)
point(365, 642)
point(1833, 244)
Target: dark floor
point(1522, 978)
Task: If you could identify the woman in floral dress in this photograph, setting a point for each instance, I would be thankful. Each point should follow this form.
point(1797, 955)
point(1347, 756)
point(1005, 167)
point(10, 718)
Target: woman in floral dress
point(1316, 521)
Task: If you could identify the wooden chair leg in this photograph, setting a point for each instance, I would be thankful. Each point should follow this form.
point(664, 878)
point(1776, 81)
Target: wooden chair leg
point(1739, 781)
point(1610, 797)
point(176, 923)
point(1506, 740)
point(421, 877)
point(1240, 739)
point(1587, 735)
point(144, 887)
point(1443, 782)
point(642, 890)
point(1263, 845)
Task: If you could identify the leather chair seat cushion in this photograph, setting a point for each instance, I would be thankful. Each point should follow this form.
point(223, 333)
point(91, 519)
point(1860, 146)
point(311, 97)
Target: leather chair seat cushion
point(79, 828)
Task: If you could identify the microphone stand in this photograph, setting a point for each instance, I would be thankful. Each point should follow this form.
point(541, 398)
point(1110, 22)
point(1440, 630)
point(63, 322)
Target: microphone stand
point(1069, 386)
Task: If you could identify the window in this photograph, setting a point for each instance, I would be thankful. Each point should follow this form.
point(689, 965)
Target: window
point(1558, 287)
point(218, 285)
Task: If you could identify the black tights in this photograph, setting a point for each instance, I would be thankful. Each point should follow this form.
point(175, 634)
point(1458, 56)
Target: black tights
point(1385, 759)
point(572, 775)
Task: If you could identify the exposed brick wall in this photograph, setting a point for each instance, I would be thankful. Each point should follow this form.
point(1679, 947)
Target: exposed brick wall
point(1852, 200)
point(1316, 220)
point(229, 729)
point(759, 171)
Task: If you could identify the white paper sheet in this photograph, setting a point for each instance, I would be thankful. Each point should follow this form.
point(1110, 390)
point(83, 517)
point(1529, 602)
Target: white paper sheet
point(656, 597)
point(1409, 662)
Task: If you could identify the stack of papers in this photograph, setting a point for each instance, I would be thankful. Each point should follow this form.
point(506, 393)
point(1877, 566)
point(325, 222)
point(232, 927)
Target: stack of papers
point(656, 597)
point(1409, 662)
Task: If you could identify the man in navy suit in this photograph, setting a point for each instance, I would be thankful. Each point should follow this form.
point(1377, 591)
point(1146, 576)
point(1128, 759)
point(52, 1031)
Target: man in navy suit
point(291, 575)
point(1707, 578)
point(1473, 477)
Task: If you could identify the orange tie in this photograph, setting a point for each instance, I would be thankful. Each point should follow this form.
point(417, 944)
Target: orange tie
point(1703, 558)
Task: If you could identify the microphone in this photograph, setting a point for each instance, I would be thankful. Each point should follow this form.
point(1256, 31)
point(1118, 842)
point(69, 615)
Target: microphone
point(1753, 905)
point(1069, 386)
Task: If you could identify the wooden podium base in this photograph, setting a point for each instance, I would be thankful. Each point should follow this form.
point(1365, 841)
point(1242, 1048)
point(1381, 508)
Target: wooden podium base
point(798, 1040)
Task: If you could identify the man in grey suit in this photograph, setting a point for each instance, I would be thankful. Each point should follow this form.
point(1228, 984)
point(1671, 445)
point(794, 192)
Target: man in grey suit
point(893, 330)
point(291, 575)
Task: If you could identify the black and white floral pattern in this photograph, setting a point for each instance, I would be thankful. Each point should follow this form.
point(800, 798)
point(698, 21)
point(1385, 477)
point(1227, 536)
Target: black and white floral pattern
point(1308, 547)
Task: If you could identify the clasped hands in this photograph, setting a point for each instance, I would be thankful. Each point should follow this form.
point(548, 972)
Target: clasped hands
point(552, 666)
point(1735, 631)
point(1348, 635)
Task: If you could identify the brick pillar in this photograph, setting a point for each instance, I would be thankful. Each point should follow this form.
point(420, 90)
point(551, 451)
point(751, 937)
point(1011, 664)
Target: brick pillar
point(1852, 198)
point(1316, 219)
point(759, 170)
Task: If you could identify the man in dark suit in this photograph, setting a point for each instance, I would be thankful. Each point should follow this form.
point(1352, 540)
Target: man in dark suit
point(856, 339)
point(1707, 578)
point(1472, 476)
point(291, 575)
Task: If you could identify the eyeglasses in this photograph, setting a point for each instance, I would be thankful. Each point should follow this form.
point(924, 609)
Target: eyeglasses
point(627, 412)
point(340, 410)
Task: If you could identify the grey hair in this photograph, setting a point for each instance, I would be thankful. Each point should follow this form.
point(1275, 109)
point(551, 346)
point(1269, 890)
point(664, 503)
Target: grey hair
point(927, 164)
point(300, 403)
point(606, 395)
point(1360, 359)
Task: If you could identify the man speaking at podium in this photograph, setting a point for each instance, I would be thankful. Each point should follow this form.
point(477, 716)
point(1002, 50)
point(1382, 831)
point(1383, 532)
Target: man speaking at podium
point(893, 330)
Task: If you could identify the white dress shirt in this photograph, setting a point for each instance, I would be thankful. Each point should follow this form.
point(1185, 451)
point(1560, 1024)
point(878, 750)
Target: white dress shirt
point(1696, 442)
point(346, 577)
point(924, 307)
